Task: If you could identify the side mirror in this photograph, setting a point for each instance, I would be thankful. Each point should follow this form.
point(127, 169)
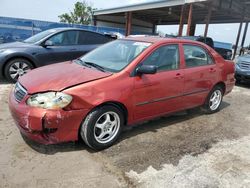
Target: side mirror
point(146, 69)
point(48, 43)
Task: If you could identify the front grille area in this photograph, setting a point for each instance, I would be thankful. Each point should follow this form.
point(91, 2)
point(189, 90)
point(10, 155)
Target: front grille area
point(19, 92)
point(244, 65)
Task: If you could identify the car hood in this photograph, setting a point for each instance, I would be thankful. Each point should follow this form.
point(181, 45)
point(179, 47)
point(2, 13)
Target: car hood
point(58, 77)
point(245, 58)
point(15, 45)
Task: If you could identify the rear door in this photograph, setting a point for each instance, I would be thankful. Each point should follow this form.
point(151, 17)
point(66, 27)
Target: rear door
point(88, 41)
point(161, 92)
point(200, 74)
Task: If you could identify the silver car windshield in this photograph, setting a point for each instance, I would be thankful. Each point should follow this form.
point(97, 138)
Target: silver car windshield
point(116, 55)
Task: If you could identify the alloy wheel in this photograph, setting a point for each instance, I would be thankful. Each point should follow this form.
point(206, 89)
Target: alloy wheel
point(215, 100)
point(18, 69)
point(106, 127)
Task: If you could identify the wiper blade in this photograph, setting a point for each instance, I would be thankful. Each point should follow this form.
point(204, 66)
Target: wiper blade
point(95, 65)
point(81, 62)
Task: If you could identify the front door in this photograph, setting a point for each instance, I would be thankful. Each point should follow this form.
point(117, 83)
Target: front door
point(64, 48)
point(159, 93)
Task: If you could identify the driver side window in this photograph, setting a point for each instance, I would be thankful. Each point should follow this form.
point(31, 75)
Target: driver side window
point(64, 38)
point(165, 58)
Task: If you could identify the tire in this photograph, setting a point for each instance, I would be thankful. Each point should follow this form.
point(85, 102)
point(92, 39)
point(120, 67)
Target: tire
point(238, 81)
point(16, 68)
point(210, 106)
point(100, 133)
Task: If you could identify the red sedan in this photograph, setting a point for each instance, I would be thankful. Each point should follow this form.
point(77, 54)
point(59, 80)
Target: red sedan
point(118, 84)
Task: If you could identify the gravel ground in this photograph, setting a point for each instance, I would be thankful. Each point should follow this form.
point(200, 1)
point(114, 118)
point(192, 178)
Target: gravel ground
point(185, 150)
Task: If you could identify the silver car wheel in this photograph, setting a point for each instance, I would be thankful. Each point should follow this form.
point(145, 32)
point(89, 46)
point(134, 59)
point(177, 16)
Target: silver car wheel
point(18, 69)
point(106, 127)
point(215, 100)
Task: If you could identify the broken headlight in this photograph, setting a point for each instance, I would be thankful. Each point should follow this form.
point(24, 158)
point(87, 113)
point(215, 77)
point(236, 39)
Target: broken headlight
point(50, 100)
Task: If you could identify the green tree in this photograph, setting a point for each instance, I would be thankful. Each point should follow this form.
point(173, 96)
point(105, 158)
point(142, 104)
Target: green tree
point(82, 14)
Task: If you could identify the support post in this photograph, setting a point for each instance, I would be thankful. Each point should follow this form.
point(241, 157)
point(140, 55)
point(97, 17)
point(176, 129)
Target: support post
point(181, 21)
point(244, 35)
point(154, 29)
point(192, 29)
point(208, 19)
point(190, 16)
point(128, 23)
point(237, 40)
point(94, 20)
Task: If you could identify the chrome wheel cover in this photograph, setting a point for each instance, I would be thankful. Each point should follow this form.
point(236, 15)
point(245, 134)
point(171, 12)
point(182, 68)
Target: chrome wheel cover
point(215, 100)
point(18, 69)
point(107, 127)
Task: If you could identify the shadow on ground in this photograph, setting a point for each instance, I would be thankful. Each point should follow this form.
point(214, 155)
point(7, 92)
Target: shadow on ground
point(243, 84)
point(165, 121)
point(56, 148)
point(129, 132)
point(4, 82)
point(167, 139)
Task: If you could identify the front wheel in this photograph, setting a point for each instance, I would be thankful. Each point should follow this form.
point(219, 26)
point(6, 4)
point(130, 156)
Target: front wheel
point(214, 100)
point(102, 127)
point(16, 68)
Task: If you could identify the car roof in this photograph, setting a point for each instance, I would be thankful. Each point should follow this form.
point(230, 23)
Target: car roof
point(59, 29)
point(194, 37)
point(157, 39)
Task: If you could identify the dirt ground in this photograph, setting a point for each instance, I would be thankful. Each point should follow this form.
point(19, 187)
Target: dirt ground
point(184, 150)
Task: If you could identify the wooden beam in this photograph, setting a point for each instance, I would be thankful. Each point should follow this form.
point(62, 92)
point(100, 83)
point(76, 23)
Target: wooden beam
point(237, 40)
point(122, 23)
point(208, 19)
point(181, 21)
point(128, 23)
point(190, 16)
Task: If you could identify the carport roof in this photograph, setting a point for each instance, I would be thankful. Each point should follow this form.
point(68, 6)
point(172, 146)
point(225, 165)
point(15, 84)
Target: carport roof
point(166, 12)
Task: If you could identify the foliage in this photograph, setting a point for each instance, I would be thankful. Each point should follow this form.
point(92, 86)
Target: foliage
point(82, 14)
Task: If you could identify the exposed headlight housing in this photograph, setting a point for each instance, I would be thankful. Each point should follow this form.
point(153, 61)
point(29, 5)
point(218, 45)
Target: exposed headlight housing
point(50, 100)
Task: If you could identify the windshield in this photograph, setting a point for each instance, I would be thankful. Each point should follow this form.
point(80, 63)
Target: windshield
point(39, 36)
point(116, 55)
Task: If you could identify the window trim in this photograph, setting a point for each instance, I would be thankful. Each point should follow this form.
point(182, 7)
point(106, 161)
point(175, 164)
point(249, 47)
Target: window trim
point(133, 73)
point(77, 36)
point(196, 45)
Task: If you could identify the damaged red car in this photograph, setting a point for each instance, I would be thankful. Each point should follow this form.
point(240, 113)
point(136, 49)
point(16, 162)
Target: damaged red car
point(118, 84)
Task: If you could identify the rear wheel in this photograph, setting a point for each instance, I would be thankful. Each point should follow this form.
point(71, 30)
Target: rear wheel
point(16, 68)
point(102, 127)
point(214, 100)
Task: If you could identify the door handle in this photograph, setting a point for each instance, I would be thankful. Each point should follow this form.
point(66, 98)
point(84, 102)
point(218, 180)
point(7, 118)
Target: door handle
point(179, 76)
point(212, 70)
point(73, 49)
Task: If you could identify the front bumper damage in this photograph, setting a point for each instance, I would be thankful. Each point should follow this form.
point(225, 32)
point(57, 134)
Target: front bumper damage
point(46, 126)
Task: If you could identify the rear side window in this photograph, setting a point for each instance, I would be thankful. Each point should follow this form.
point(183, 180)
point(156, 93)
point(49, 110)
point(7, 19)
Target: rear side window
point(86, 38)
point(165, 58)
point(196, 56)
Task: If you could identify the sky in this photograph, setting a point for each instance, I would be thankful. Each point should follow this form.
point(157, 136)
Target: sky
point(48, 10)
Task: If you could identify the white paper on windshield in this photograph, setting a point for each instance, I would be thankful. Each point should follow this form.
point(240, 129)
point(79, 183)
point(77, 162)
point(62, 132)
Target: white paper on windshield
point(141, 44)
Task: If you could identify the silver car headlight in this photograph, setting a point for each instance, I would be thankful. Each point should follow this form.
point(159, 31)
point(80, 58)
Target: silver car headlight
point(50, 100)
